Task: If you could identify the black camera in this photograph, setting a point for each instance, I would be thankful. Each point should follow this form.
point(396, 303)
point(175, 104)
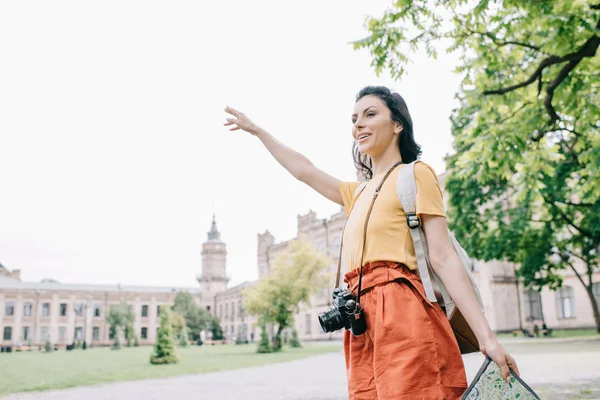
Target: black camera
point(345, 313)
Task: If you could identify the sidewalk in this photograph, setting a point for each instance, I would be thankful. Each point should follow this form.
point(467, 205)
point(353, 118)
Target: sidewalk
point(558, 370)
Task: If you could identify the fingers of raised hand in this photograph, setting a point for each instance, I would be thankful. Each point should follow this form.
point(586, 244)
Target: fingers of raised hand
point(231, 121)
point(233, 111)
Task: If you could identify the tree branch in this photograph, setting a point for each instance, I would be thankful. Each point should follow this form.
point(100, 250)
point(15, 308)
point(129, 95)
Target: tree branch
point(576, 273)
point(564, 72)
point(576, 204)
point(587, 50)
point(502, 43)
point(570, 222)
point(515, 113)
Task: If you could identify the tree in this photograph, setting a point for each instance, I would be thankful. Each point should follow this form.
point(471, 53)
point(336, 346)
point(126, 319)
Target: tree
point(215, 328)
point(121, 317)
point(129, 334)
point(183, 338)
point(294, 341)
point(196, 318)
point(264, 346)
point(48, 347)
point(524, 182)
point(294, 277)
point(164, 348)
point(178, 323)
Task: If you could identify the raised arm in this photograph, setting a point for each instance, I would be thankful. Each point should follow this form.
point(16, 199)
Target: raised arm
point(296, 164)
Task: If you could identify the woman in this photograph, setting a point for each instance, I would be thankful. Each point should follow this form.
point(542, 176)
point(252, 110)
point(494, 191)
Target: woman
point(409, 350)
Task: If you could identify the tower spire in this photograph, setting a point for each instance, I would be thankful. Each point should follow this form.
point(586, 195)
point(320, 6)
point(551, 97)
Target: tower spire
point(214, 232)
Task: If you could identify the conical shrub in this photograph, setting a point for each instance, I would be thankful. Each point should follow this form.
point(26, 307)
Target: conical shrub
point(164, 349)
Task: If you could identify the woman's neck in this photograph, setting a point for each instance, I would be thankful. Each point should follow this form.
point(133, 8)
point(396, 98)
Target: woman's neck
point(385, 161)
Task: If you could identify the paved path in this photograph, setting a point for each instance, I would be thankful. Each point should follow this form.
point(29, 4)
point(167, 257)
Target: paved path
point(556, 370)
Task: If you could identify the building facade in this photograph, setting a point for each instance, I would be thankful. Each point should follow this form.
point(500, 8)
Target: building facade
point(33, 312)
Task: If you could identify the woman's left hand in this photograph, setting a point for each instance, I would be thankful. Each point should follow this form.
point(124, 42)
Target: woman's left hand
point(500, 356)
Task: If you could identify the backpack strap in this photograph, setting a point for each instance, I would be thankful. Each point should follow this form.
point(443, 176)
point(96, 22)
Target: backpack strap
point(406, 188)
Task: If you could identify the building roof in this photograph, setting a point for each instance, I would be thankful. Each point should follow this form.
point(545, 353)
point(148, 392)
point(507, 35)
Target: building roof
point(214, 234)
point(10, 283)
point(236, 288)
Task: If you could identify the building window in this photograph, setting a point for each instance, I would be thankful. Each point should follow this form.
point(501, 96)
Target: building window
point(44, 333)
point(26, 333)
point(565, 302)
point(79, 309)
point(111, 333)
point(46, 310)
point(9, 309)
point(7, 333)
point(63, 309)
point(27, 309)
point(308, 324)
point(534, 305)
point(144, 333)
point(158, 311)
point(97, 313)
point(596, 292)
point(96, 333)
point(208, 308)
point(232, 311)
point(62, 334)
point(144, 311)
point(78, 333)
point(220, 310)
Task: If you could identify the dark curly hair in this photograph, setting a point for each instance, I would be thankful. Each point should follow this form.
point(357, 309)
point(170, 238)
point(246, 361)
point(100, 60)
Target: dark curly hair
point(409, 149)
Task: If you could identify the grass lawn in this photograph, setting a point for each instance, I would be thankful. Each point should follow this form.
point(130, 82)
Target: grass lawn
point(562, 333)
point(31, 371)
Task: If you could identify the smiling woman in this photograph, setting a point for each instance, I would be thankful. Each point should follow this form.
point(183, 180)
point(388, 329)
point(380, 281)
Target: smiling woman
point(382, 112)
point(407, 351)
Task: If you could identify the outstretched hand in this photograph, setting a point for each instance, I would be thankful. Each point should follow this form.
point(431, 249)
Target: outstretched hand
point(241, 121)
point(500, 356)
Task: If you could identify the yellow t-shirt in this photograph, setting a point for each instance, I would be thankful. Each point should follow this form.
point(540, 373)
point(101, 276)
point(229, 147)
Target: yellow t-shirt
point(388, 235)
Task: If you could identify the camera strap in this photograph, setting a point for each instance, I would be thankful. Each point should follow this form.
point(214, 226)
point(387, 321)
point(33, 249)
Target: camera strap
point(375, 194)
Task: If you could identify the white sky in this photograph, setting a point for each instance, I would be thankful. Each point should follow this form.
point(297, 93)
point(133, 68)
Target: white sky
point(112, 148)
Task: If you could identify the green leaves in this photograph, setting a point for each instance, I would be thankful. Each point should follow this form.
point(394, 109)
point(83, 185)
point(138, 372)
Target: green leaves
point(524, 182)
point(293, 279)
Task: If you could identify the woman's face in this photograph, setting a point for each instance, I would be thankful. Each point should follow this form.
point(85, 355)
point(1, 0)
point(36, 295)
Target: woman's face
point(373, 128)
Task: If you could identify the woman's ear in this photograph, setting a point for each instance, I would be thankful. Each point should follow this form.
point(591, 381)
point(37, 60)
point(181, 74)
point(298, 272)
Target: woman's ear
point(398, 128)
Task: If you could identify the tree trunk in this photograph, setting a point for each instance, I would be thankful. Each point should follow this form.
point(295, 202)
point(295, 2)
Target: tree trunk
point(277, 338)
point(588, 289)
point(590, 293)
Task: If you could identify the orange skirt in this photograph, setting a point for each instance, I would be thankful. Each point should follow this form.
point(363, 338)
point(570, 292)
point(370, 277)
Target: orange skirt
point(408, 351)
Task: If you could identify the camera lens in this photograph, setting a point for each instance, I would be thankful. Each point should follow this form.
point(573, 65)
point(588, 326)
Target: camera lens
point(331, 320)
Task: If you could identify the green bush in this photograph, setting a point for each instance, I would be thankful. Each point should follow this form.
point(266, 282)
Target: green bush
point(183, 338)
point(294, 341)
point(116, 343)
point(264, 346)
point(164, 349)
point(48, 347)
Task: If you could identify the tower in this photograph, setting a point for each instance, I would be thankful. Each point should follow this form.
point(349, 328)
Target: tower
point(214, 261)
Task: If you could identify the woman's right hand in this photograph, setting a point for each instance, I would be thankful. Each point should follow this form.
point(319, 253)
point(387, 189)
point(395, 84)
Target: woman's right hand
point(241, 121)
